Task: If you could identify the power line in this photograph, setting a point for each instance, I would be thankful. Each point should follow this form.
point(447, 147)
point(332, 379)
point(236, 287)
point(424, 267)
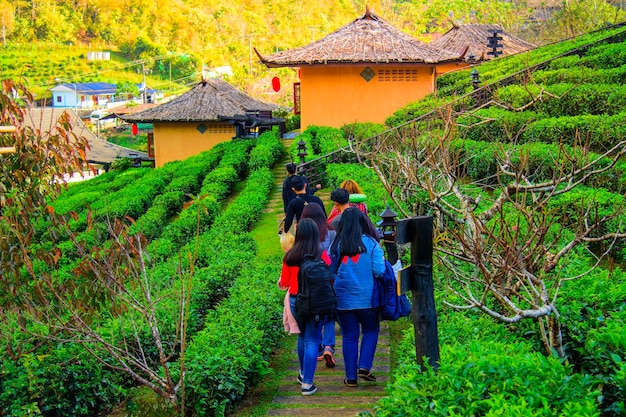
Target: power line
point(119, 67)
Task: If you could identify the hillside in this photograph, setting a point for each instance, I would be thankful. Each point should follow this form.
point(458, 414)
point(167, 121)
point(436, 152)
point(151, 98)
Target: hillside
point(51, 40)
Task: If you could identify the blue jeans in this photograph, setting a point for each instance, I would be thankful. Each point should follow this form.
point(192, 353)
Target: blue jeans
point(308, 342)
point(354, 323)
point(328, 334)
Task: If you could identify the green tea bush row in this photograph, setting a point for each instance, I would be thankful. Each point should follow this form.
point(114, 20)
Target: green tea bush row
point(421, 107)
point(593, 313)
point(267, 152)
point(580, 75)
point(597, 132)
point(58, 380)
point(198, 217)
point(495, 124)
point(105, 183)
point(490, 379)
point(320, 140)
point(599, 202)
point(233, 349)
point(232, 352)
point(566, 99)
point(132, 201)
point(486, 370)
point(479, 161)
point(606, 55)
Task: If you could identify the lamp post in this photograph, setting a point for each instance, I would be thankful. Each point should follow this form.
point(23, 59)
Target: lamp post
point(475, 77)
point(302, 151)
point(388, 225)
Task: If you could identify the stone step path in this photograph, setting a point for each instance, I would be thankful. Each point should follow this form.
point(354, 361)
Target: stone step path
point(333, 398)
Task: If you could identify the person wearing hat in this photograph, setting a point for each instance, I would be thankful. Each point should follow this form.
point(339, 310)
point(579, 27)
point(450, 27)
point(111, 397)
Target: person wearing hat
point(288, 193)
point(295, 206)
point(341, 198)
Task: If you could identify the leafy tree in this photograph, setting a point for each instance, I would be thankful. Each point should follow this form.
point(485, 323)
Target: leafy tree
point(7, 20)
point(128, 89)
point(504, 249)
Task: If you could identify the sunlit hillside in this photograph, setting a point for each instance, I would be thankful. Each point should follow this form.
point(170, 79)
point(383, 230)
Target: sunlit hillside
point(48, 42)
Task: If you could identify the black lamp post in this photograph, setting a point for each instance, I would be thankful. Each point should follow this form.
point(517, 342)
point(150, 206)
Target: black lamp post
point(475, 77)
point(388, 225)
point(302, 151)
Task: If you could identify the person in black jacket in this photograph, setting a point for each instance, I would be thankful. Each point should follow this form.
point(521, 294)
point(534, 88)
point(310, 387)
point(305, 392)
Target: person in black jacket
point(288, 193)
point(295, 206)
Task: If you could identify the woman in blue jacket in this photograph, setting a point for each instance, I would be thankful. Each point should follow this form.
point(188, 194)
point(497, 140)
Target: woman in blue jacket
point(356, 259)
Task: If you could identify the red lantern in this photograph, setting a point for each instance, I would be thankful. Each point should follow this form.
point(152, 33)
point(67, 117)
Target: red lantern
point(134, 129)
point(276, 84)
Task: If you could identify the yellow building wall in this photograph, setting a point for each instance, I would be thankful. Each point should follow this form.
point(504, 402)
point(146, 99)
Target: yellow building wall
point(178, 141)
point(451, 66)
point(335, 95)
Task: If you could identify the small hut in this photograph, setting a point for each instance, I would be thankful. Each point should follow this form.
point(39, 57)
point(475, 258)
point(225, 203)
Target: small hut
point(471, 43)
point(201, 118)
point(100, 153)
point(362, 72)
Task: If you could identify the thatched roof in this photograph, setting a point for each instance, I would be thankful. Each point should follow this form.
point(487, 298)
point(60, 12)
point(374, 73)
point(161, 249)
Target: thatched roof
point(472, 40)
point(207, 101)
point(45, 120)
point(369, 40)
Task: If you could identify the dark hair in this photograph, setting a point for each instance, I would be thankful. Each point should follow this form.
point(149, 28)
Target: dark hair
point(307, 242)
point(349, 233)
point(340, 196)
point(297, 182)
point(291, 168)
point(316, 212)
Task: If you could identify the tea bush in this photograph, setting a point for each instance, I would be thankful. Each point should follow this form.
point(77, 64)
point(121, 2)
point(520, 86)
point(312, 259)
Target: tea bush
point(232, 351)
point(487, 377)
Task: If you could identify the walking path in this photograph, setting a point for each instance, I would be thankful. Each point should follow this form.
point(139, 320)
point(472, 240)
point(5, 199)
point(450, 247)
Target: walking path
point(332, 398)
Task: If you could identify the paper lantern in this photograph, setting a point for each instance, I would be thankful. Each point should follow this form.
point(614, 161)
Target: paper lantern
point(276, 84)
point(134, 129)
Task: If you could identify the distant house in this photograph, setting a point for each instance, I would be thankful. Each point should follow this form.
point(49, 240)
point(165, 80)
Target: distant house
point(211, 112)
point(100, 153)
point(365, 71)
point(149, 95)
point(362, 72)
point(470, 41)
point(83, 95)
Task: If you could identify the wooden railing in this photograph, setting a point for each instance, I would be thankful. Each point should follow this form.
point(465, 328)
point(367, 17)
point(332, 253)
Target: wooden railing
point(314, 170)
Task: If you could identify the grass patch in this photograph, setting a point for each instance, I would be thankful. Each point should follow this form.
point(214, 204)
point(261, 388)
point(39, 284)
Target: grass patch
point(137, 142)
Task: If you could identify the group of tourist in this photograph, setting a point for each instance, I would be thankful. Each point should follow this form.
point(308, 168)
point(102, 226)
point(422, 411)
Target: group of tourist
point(348, 242)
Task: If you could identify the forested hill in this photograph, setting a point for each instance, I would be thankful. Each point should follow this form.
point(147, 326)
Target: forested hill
point(224, 32)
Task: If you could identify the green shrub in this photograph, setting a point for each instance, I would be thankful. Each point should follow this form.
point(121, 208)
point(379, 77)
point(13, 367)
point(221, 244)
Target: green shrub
point(489, 378)
point(495, 124)
point(267, 152)
point(59, 380)
point(233, 350)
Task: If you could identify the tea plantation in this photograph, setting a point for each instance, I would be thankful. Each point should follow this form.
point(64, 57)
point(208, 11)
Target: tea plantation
point(196, 216)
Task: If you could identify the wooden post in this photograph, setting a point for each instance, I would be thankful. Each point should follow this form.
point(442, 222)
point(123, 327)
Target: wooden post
point(418, 277)
point(7, 149)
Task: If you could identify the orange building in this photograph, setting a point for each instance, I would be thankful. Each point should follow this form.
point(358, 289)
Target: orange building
point(197, 120)
point(364, 72)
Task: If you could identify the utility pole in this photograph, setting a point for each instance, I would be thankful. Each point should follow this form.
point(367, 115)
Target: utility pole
point(143, 71)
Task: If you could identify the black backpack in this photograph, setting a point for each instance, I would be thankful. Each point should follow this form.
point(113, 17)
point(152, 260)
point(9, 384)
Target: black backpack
point(316, 295)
